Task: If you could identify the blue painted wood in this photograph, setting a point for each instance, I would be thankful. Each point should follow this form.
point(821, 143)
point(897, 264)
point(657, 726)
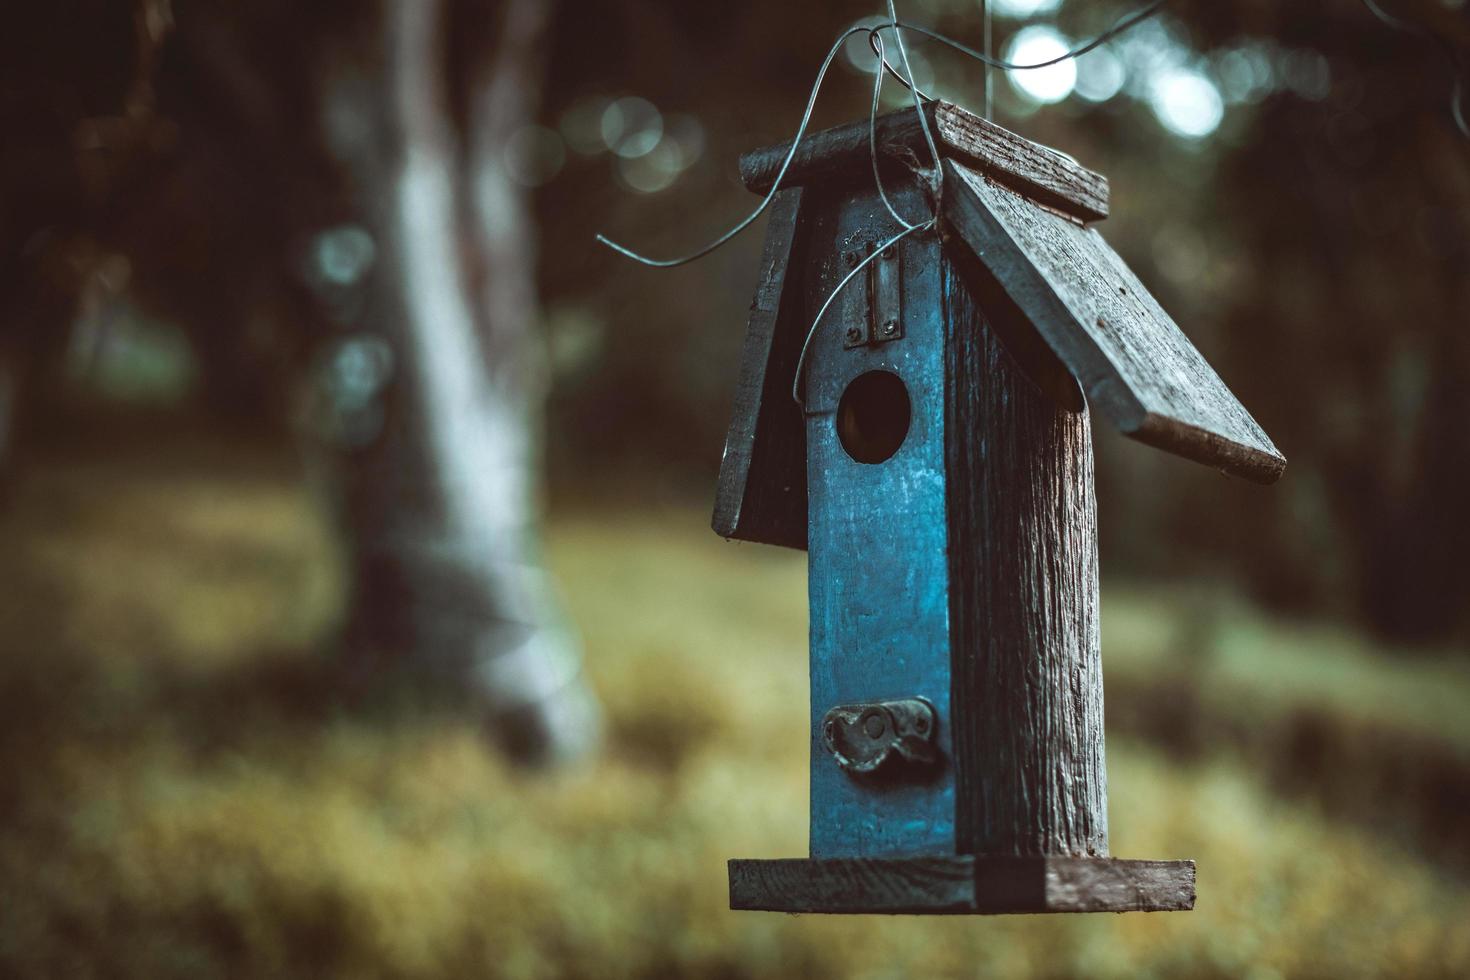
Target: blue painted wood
point(962, 570)
point(877, 543)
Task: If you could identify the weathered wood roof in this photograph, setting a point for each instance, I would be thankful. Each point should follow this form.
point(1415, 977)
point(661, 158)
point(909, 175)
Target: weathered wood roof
point(1134, 364)
point(1020, 212)
point(1041, 173)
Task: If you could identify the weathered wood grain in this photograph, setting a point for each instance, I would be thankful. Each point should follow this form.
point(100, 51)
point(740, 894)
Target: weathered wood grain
point(842, 153)
point(1028, 689)
point(761, 494)
point(961, 884)
point(1039, 172)
point(1130, 358)
point(920, 884)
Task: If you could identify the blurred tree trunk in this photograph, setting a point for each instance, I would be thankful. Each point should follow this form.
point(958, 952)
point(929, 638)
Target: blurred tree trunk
point(441, 505)
point(327, 175)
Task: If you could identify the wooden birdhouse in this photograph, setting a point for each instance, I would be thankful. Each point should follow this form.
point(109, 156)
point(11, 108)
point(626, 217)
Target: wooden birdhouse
point(939, 473)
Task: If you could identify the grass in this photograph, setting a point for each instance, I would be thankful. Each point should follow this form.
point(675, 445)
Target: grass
point(189, 794)
point(1287, 667)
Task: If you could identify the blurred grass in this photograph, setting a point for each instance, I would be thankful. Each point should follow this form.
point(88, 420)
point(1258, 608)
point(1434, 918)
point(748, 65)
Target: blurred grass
point(190, 792)
point(1285, 666)
point(1379, 738)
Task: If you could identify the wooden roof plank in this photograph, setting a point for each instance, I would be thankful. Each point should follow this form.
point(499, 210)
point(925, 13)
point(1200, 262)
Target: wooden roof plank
point(1135, 365)
point(1044, 174)
point(1039, 172)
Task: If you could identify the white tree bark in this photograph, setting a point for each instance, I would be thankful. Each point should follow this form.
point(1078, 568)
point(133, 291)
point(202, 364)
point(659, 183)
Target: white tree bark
point(442, 506)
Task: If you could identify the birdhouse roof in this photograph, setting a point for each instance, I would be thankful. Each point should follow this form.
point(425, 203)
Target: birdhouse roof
point(1019, 217)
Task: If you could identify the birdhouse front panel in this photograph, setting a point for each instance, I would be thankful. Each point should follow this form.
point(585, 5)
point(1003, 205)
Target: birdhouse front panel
point(877, 537)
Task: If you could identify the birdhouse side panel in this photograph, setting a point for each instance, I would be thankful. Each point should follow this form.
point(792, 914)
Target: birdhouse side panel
point(1028, 686)
point(761, 494)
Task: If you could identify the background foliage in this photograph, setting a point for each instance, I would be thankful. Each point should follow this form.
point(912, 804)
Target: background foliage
point(194, 791)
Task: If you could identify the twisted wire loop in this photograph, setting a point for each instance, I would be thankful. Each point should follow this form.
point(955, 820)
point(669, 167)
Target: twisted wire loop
point(903, 73)
point(908, 74)
point(832, 296)
point(905, 76)
point(906, 79)
point(876, 40)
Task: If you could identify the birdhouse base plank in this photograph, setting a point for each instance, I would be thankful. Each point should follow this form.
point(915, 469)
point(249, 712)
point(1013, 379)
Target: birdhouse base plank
point(961, 884)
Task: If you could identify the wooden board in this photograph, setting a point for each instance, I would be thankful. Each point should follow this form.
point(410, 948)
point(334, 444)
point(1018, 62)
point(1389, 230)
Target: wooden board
point(761, 494)
point(961, 884)
point(1132, 361)
point(1027, 700)
point(878, 569)
point(1041, 173)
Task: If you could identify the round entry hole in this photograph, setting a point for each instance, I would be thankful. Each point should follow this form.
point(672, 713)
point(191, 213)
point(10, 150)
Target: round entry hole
point(873, 416)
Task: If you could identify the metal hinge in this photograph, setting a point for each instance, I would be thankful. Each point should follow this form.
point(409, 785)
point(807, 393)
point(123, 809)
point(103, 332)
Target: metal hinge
point(862, 737)
point(884, 319)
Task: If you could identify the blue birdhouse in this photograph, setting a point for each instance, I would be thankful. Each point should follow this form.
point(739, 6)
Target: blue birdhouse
point(936, 464)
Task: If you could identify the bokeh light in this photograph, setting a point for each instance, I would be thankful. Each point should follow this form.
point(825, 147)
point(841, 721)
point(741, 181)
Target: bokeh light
point(1245, 74)
point(1148, 50)
point(655, 170)
point(1307, 74)
point(1186, 102)
point(857, 51)
point(688, 132)
point(1033, 45)
point(343, 254)
point(632, 126)
point(1100, 75)
point(1021, 9)
point(534, 155)
point(581, 125)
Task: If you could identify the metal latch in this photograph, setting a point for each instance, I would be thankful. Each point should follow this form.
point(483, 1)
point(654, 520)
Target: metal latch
point(884, 319)
point(862, 737)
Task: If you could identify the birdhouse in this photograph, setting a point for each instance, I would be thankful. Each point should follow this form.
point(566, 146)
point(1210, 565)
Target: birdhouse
point(936, 465)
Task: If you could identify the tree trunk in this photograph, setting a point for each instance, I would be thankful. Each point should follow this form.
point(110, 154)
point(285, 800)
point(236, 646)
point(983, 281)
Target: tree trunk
point(441, 505)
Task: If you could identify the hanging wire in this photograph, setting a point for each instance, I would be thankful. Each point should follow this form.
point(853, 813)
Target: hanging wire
point(806, 118)
point(816, 321)
point(908, 74)
point(906, 79)
point(1457, 94)
point(877, 40)
point(882, 67)
point(986, 82)
point(1124, 23)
